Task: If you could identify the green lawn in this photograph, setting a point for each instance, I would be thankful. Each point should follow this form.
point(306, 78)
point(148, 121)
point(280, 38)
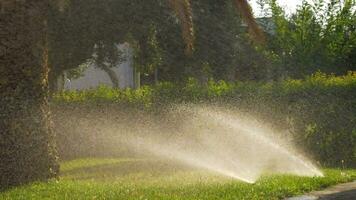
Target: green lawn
point(154, 179)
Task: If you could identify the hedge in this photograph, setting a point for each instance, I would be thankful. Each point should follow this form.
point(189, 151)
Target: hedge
point(318, 111)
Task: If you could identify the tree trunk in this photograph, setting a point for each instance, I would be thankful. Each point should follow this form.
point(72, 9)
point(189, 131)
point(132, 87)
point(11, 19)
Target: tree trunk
point(156, 76)
point(27, 150)
point(112, 75)
point(61, 82)
point(53, 80)
point(137, 79)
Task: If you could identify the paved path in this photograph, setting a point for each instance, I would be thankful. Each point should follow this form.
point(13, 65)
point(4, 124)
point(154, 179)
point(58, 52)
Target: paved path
point(346, 191)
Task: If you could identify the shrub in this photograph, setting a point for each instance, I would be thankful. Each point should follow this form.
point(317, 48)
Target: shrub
point(319, 111)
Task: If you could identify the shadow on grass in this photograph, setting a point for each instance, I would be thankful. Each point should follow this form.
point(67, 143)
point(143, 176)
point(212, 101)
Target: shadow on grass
point(126, 168)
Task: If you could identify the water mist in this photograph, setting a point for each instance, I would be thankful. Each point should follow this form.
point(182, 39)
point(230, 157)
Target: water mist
point(221, 141)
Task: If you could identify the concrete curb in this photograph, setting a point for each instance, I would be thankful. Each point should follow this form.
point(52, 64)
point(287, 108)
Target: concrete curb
point(345, 191)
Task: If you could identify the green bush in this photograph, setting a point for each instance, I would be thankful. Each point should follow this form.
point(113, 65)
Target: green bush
point(319, 111)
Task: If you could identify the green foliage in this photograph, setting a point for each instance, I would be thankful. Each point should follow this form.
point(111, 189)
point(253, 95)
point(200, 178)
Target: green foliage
point(141, 96)
point(83, 28)
point(153, 179)
point(318, 36)
point(318, 111)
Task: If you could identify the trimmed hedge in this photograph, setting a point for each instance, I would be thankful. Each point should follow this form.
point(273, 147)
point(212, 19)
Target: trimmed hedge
point(319, 111)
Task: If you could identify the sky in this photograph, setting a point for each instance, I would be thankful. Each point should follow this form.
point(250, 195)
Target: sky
point(289, 5)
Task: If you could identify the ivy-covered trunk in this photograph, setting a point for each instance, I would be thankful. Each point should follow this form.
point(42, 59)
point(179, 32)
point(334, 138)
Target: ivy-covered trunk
point(112, 75)
point(27, 150)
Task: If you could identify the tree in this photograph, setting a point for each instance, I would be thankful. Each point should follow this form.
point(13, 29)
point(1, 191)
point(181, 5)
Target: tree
point(155, 32)
point(317, 37)
point(27, 150)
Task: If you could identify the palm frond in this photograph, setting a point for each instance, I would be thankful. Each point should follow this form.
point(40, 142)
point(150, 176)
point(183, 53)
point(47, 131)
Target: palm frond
point(245, 10)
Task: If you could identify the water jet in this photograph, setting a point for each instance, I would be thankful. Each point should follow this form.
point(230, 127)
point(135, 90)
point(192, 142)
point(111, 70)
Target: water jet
point(221, 141)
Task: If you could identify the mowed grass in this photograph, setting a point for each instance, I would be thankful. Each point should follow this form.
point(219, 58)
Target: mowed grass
point(155, 179)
